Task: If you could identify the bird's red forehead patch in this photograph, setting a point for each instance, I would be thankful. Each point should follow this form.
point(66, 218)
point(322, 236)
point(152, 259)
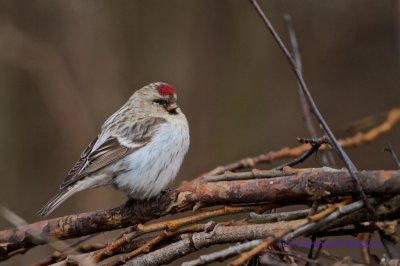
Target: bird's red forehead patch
point(164, 90)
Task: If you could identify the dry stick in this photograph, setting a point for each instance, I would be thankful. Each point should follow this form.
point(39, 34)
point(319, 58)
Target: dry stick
point(258, 174)
point(388, 244)
point(315, 145)
point(73, 259)
point(297, 59)
point(18, 221)
point(151, 243)
point(316, 255)
point(392, 118)
point(364, 250)
point(172, 225)
point(59, 254)
point(231, 251)
point(254, 173)
point(222, 254)
point(321, 183)
point(390, 209)
point(352, 213)
point(318, 219)
point(219, 235)
point(389, 148)
point(342, 154)
point(327, 158)
point(280, 216)
point(236, 250)
point(298, 256)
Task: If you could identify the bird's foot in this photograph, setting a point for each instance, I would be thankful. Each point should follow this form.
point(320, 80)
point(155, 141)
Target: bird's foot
point(131, 202)
point(166, 190)
point(162, 193)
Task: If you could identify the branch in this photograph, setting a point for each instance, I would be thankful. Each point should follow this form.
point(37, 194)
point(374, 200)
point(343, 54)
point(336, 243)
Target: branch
point(314, 183)
point(321, 219)
point(236, 233)
point(359, 138)
point(172, 226)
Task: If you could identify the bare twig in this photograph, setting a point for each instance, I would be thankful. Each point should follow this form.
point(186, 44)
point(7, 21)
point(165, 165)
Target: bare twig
point(319, 183)
point(315, 145)
point(148, 246)
point(389, 148)
point(389, 245)
point(18, 221)
point(286, 235)
point(326, 157)
point(297, 59)
point(220, 235)
point(280, 216)
point(62, 254)
point(255, 173)
point(392, 118)
point(170, 225)
point(332, 139)
point(223, 254)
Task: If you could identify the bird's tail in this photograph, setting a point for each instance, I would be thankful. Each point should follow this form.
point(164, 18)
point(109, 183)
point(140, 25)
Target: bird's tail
point(57, 200)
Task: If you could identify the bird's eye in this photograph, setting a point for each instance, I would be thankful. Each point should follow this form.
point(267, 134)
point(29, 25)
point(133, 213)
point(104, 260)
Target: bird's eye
point(161, 102)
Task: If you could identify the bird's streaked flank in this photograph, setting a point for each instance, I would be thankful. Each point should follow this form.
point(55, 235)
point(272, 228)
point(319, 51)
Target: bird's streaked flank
point(139, 150)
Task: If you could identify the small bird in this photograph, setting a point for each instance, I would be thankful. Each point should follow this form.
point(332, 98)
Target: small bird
point(139, 150)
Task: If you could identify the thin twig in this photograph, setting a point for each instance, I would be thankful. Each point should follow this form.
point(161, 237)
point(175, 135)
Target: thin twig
point(223, 254)
point(148, 246)
point(318, 220)
point(58, 255)
point(359, 138)
point(326, 157)
point(170, 225)
point(280, 216)
point(315, 145)
point(333, 141)
point(15, 219)
point(323, 183)
point(389, 246)
point(253, 174)
point(236, 233)
point(297, 59)
point(389, 148)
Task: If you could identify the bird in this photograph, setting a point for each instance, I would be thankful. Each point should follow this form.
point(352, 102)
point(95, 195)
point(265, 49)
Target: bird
point(139, 149)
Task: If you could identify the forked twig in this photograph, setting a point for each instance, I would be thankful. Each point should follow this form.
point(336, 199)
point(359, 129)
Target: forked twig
point(315, 145)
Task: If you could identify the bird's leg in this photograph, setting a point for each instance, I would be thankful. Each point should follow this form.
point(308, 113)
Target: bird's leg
point(166, 190)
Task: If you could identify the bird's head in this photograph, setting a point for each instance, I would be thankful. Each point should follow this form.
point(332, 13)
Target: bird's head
point(156, 98)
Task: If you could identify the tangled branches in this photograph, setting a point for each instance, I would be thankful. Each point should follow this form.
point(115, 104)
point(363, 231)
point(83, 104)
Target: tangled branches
point(334, 202)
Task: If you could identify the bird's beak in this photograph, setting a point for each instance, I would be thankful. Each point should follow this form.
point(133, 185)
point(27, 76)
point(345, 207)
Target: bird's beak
point(171, 107)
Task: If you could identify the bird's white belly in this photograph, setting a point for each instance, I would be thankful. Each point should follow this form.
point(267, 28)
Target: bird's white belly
point(151, 169)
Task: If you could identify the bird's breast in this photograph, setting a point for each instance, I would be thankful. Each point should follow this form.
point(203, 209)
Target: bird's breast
point(151, 168)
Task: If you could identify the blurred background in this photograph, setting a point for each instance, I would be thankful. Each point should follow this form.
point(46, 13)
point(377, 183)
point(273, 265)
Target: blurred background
point(65, 66)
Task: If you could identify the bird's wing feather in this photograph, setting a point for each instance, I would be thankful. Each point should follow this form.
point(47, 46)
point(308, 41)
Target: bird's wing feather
point(99, 155)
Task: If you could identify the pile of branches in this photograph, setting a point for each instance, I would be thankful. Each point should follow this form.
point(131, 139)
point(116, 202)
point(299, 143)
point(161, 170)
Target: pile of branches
point(338, 202)
point(335, 209)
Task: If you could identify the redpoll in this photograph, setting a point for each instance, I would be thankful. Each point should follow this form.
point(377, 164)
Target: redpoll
point(139, 150)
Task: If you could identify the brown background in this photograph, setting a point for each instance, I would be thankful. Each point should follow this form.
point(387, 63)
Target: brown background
point(65, 66)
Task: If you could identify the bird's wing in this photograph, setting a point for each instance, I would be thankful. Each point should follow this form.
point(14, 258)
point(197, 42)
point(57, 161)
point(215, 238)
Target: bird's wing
point(98, 155)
